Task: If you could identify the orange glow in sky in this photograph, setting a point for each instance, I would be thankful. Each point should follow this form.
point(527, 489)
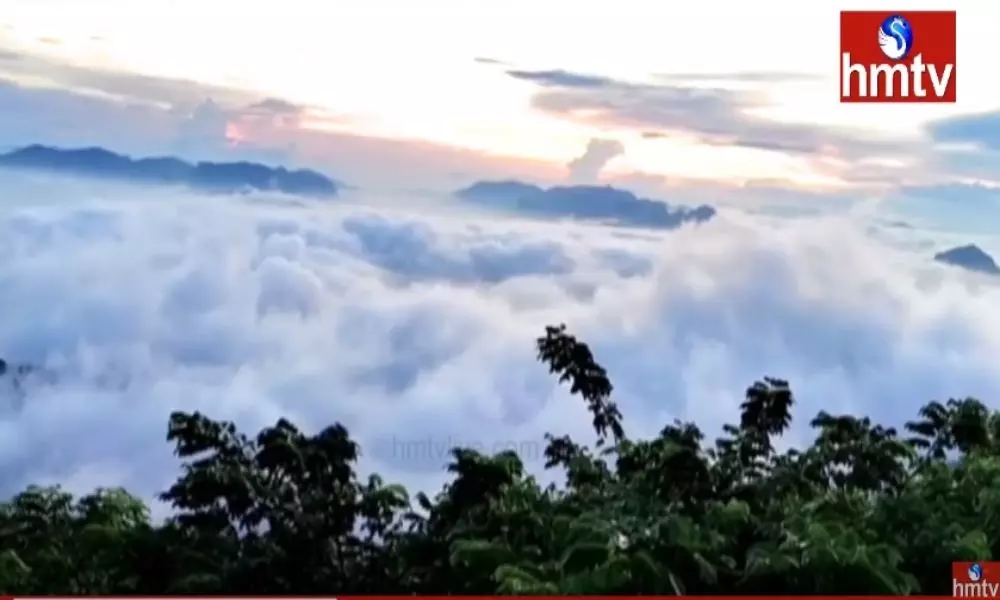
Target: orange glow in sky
point(405, 70)
point(234, 134)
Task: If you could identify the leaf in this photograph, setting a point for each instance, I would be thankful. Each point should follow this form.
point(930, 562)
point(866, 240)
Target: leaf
point(479, 552)
point(675, 584)
point(583, 556)
point(11, 564)
point(424, 501)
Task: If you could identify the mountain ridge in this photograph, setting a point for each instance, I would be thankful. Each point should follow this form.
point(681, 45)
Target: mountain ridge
point(587, 202)
point(216, 177)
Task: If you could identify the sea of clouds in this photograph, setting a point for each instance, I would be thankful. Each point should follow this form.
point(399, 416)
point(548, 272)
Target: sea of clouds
point(415, 325)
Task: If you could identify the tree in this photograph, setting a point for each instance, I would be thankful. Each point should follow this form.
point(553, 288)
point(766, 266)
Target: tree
point(863, 509)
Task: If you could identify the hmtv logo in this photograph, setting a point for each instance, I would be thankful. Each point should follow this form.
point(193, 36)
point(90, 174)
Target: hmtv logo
point(975, 579)
point(897, 57)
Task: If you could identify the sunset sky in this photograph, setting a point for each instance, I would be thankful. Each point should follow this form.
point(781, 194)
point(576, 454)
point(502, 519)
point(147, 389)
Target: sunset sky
point(730, 92)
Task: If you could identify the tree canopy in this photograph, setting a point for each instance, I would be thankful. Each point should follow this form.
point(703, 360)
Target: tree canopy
point(864, 509)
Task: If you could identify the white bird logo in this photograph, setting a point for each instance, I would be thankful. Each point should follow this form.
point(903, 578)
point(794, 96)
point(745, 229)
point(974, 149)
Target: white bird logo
point(893, 46)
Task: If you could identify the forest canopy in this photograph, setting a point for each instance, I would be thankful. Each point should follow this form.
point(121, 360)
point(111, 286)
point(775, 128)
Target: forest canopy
point(865, 509)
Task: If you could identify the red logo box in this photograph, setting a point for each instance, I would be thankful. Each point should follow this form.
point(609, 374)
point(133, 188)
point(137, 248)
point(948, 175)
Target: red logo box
point(975, 580)
point(927, 74)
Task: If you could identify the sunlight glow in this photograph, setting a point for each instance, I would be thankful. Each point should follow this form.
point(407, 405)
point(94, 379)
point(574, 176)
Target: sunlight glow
point(400, 69)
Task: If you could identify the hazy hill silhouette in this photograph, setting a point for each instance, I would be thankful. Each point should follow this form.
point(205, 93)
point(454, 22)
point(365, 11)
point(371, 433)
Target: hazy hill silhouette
point(219, 177)
point(603, 203)
point(970, 257)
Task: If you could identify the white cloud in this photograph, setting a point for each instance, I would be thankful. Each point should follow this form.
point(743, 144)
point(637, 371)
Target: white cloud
point(587, 167)
point(150, 302)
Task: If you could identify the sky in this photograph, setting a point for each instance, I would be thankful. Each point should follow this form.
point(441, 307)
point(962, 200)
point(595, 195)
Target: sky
point(411, 318)
point(692, 94)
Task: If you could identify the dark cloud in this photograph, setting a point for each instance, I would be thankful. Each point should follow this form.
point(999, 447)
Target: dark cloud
point(715, 115)
point(276, 106)
point(483, 60)
point(563, 79)
point(275, 112)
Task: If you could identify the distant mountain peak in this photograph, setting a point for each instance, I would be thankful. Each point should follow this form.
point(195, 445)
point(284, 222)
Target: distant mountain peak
point(589, 202)
point(970, 257)
point(220, 177)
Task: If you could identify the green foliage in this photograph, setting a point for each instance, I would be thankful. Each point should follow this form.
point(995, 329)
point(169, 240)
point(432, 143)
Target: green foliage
point(862, 510)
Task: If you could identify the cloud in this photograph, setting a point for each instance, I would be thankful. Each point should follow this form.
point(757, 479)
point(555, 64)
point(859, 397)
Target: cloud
point(276, 111)
point(561, 78)
point(714, 115)
point(212, 130)
point(968, 146)
point(204, 130)
point(956, 207)
point(75, 118)
point(485, 60)
point(135, 113)
point(587, 167)
point(982, 129)
point(743, 77)
point(164, 92)
point(64, 105)
point(415, 327)
point(48, 116)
